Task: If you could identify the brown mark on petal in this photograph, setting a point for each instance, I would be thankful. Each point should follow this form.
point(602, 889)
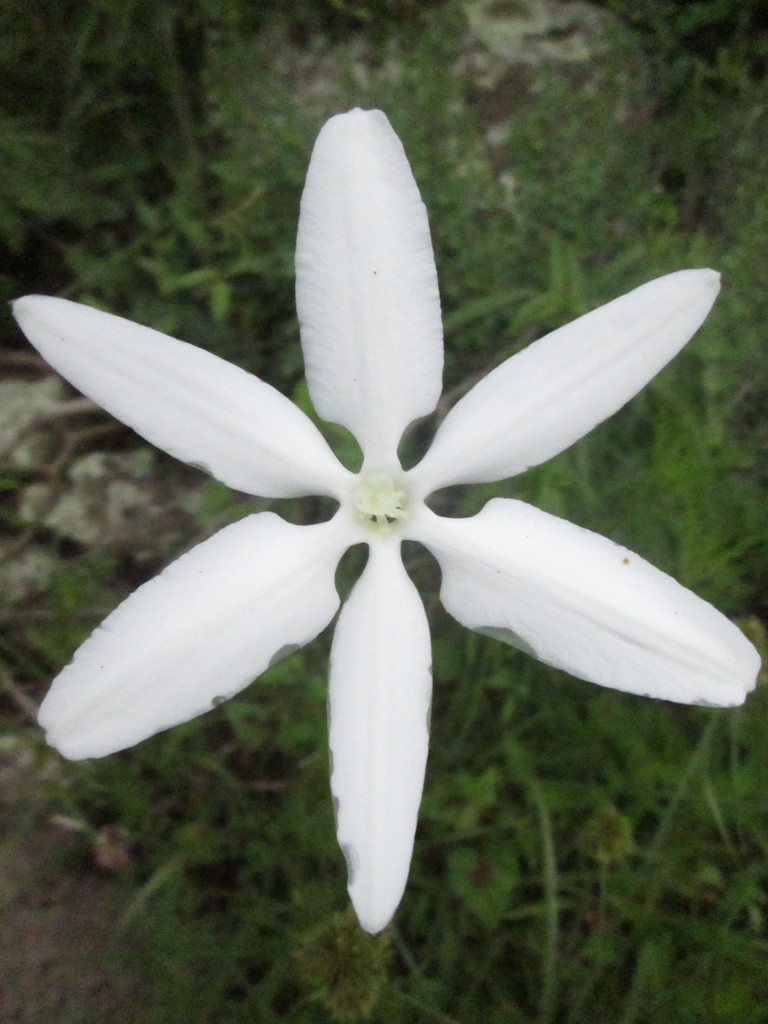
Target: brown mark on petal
point(507, 636)
point(283, 652)
point(350, 856)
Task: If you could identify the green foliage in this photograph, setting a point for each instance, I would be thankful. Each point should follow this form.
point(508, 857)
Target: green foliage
point(582, 855)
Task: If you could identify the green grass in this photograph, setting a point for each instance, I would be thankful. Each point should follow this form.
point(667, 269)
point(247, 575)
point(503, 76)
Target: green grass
point(582, 855)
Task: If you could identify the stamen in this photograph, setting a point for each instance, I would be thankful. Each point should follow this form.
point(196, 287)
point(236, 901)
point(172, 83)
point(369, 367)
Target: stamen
point(380, 500)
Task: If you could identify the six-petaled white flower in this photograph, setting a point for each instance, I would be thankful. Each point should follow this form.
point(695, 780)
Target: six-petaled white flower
point(369, 314)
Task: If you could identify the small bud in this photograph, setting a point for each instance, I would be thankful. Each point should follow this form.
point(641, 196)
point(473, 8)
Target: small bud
point(346, 967)
point(608, 836)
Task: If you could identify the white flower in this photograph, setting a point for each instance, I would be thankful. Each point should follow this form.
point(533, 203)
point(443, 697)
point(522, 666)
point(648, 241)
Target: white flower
point(371, 333)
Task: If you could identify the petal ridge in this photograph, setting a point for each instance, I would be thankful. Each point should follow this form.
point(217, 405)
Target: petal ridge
point(366, 285)
point(544, 398)
point(196, 634)
point(192, 404)
point(580, 602)
point(379, 697)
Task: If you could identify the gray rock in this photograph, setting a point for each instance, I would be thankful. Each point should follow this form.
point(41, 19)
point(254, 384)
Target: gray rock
point(25, 439)
point(132, 502)
point(24, 573)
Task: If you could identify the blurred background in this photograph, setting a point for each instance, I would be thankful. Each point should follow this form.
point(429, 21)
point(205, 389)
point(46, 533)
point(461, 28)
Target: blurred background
point(582, 855)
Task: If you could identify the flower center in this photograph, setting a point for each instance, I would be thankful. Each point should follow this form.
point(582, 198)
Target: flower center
point(380, 500)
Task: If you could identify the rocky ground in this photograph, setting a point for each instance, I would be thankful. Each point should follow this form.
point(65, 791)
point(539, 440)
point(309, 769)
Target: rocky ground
point(64, 958)
point(81, 486)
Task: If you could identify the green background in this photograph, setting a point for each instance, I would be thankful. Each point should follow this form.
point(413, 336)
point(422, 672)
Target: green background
point(582, 855)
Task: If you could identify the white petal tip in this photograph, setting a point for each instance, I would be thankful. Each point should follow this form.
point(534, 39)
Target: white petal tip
point(70, 738)
point(373, 925)
point(28, 303)
point(707, 272)
point(72, 752)
point(356, 115)
point(709, 280)
point(72, 748)
point(700, 285)
point(24, 306)
point(372, 915)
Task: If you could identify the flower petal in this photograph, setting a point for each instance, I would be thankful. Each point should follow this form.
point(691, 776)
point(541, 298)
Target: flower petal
point(366, 285)
point(542, 399)
point(582, 603)
point(196, 634)
point(190, 403)
point(379, 701)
